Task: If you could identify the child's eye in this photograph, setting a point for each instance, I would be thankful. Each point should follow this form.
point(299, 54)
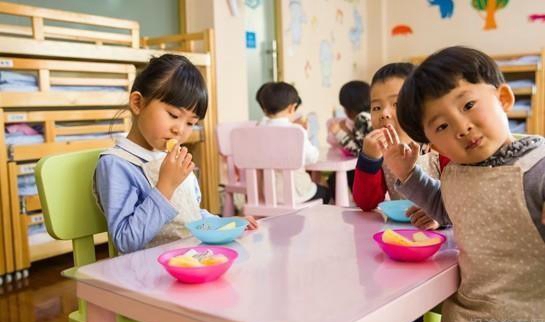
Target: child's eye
point(441, 127)
point(190, 124)
point(469, 105)
point(375, 108)
point(173, 115)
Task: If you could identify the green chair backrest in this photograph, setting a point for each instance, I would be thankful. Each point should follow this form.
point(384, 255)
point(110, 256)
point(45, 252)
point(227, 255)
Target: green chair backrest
point(65, 187)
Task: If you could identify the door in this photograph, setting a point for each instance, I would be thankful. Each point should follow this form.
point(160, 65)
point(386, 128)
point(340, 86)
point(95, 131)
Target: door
point(261, 49)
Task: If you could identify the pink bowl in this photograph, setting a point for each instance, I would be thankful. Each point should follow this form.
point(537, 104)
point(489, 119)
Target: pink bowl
point(195, 275)
point(409, 253)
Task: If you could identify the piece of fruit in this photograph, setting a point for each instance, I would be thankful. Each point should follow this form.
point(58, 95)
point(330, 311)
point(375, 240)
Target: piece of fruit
point(420, 236)
point(184, 261)
point(171, 144)
point(391, 237)
point(428, 242)
point(231, 225)
point(214, 260)
point(421, 239)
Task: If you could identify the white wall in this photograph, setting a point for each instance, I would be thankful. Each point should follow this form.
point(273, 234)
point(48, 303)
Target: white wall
point(308, 26)
point(231, 79)
point(514, 34)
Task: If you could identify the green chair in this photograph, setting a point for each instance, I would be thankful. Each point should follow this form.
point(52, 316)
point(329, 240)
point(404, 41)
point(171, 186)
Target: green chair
point(433, 315)
point(70, 211)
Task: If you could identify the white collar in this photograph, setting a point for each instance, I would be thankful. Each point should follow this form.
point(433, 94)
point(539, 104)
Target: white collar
point(279, 120)
point(137, 150)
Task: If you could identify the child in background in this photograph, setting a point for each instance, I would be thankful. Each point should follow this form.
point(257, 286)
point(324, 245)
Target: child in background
point(279, 101)
point(148, 196)
point(372, 180)
point(492, 189)
point(349, 133)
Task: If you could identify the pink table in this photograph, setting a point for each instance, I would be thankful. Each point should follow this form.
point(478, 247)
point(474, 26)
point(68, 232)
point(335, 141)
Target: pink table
point(319, 264)
point(334, 160)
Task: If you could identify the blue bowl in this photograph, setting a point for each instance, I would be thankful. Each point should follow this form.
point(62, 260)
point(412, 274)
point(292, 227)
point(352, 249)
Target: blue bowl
point(206, 230)
point(396, 209)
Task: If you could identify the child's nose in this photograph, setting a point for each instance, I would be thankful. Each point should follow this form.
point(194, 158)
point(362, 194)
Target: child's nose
point(464, 130)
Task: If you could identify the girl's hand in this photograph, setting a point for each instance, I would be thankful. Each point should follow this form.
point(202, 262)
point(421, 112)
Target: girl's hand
point(399, 158)
point(252, 223)
point(176, 166)
point(372, 144)
point(420, 219)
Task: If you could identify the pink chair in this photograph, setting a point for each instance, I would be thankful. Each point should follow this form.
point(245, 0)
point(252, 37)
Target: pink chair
point(270, 149)
point(235, 183)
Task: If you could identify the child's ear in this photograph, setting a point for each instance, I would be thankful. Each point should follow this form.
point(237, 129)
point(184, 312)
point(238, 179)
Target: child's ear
point(506, 97)
point(291, 108)
point(136, 102)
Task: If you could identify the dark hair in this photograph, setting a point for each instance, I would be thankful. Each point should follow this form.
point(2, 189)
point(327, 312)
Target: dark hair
point(174, 80)
point(400, 70)
point(436, 77)
point(354, 97)
point(275, 97)
point(258, 93)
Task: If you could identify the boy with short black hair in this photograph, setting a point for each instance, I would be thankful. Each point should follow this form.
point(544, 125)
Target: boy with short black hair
point(493, 188)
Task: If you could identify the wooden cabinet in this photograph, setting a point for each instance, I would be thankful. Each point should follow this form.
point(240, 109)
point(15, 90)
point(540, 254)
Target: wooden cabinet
point(524, 73)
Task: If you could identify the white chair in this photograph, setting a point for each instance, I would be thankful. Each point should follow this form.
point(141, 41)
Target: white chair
point(270, 149)
point(235, 183)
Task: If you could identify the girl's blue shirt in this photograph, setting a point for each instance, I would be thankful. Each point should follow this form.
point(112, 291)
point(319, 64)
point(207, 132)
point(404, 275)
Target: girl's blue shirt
point(135, 210)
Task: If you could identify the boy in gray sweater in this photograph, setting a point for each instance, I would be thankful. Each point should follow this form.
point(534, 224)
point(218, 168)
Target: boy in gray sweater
point(492, 191)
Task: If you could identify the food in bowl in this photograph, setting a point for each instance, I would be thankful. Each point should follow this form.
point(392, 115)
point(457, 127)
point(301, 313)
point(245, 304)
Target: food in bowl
point(192, 258)
point(418, 239)
point(198, 264)
point(409, 245)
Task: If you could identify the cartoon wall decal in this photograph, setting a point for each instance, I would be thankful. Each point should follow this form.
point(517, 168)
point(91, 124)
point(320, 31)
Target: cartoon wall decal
point(326, 62)
point(338, 56)
point(446, 7)
point(489, 7)
point(308, 68)
point(297, 19)
point(356, 31)
point(535, 17)
point(339, 16)
point(314, 23)
point(253, 4)
point(401, 30)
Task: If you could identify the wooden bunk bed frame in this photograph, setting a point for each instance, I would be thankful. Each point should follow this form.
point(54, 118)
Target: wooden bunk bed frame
point(51, 108)
point(119, 42)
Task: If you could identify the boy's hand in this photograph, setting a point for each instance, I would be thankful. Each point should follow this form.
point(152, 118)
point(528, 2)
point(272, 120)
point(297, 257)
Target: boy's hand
point(399, 158)
point(302, 121)
point(420, 219)
point(372, 144)
point(176, 166)
point(344, 127)
point(334, 127)
point(252, 223)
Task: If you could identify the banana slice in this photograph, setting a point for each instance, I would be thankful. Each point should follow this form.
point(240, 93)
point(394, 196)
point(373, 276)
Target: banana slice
point(171, 144)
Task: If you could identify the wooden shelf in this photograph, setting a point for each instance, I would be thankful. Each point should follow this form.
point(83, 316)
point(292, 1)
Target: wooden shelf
point(524, 91)
point(532, 68)
point(518, 114)
point(48, 247)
